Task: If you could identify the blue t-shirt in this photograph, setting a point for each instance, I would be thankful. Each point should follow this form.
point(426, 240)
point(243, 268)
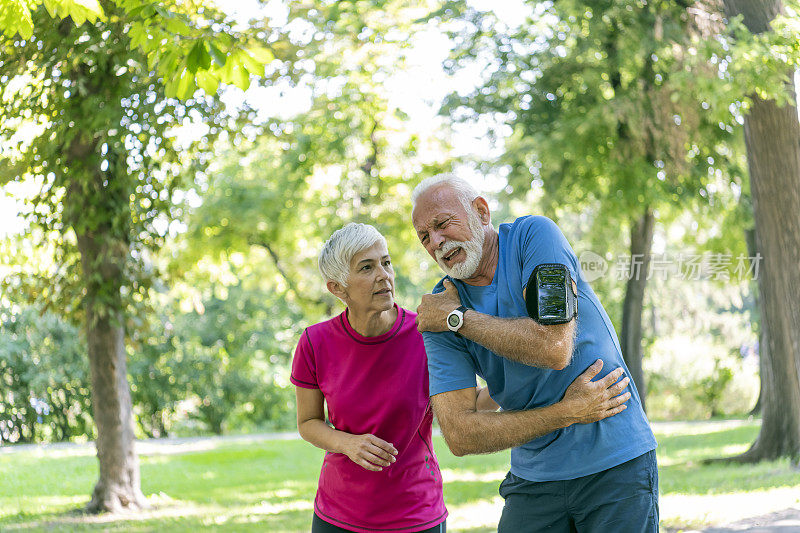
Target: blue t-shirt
point(453, 362)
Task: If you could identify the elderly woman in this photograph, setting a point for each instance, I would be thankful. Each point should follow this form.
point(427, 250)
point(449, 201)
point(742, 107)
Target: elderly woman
point(369, 364)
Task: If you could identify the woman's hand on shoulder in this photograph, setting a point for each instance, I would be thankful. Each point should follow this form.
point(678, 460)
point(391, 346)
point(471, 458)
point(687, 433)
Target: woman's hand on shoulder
point(369, 451)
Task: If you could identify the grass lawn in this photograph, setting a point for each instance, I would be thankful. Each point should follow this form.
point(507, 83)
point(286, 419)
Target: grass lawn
point(269, 485)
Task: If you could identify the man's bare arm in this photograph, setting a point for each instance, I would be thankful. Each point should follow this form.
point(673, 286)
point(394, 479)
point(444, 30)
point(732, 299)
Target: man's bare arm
point(518, 339)
point(521, 339)
point(470, 431)
point(484, 402)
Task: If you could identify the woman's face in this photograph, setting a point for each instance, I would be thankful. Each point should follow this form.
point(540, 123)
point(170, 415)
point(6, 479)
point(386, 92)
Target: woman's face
point(370, 285)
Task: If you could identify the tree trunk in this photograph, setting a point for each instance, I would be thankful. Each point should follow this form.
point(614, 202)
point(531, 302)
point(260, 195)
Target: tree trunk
point(119, 485)
point(631, 330)
point(761, 326)
point(772, 137)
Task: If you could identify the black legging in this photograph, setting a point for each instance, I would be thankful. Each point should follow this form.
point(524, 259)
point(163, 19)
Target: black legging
point(318, 525)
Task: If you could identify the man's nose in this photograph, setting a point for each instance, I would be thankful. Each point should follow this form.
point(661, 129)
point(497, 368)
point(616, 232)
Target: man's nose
point(437, 240)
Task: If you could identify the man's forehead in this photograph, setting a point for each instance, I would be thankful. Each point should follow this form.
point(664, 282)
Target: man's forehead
point(422, 221)
point(441, 193)
point(434, 204)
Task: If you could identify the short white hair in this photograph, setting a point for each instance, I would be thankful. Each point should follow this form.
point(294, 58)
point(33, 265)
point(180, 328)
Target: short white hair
point(465, 192)
point(339, 249)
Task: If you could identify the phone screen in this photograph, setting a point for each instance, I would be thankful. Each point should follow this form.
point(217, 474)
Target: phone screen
point(551, 286)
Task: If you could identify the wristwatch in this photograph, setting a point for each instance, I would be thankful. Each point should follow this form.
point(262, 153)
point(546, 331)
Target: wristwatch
point(456, 319)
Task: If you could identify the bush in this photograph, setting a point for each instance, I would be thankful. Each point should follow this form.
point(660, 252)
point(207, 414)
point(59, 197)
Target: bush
point(218, 365)
point(222, 366)
point(44, 378)
point(697, 379)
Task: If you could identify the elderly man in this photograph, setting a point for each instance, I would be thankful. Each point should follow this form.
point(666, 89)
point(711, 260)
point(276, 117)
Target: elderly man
point(514, 310)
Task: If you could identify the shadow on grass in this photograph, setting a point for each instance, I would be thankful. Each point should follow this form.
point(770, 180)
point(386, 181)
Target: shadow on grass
point(270, 486)
point(682, 466)
point(721, 478)
point(708, 444)
point(177, 516)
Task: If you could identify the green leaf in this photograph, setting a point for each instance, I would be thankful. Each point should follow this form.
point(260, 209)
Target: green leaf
point(168, 61)
point(177, 26)
point(261, 54)
point(152, 59)
point(218, 57)
point(79, 10)
point(137, 35)
point(199, 57)
point(193, 59)
point(240, 76)
point(91, 9)
point(134, 12)
point(252, 64)
point(15, 17)
point(52, 7)
point(185, 86)
point(207, 81)
point(205, 58)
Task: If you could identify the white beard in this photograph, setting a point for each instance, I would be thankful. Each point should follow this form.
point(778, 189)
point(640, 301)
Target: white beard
point(473, 249)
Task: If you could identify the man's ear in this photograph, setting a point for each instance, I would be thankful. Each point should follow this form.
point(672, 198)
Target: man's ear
point(335, 288)
point(482, 207)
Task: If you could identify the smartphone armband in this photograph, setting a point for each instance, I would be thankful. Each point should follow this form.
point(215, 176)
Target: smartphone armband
point(551, 297)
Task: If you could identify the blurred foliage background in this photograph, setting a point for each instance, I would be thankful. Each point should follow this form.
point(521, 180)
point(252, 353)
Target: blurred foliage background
point(523, 103)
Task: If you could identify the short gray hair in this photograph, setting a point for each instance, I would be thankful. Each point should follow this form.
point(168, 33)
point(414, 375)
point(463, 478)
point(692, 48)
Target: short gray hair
point(465, 192)
point(339, 249)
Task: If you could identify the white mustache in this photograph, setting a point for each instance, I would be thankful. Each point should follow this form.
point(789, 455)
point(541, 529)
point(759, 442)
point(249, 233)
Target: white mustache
point(448, 247)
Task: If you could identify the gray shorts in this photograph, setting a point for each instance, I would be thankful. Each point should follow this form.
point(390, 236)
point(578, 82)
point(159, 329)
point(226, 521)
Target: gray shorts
point(621, 499)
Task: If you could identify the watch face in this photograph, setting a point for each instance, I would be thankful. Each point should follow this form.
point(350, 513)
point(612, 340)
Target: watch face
point(453, 320)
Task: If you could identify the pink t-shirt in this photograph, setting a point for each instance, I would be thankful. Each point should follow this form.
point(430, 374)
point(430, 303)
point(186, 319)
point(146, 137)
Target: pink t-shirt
point(375, 385)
